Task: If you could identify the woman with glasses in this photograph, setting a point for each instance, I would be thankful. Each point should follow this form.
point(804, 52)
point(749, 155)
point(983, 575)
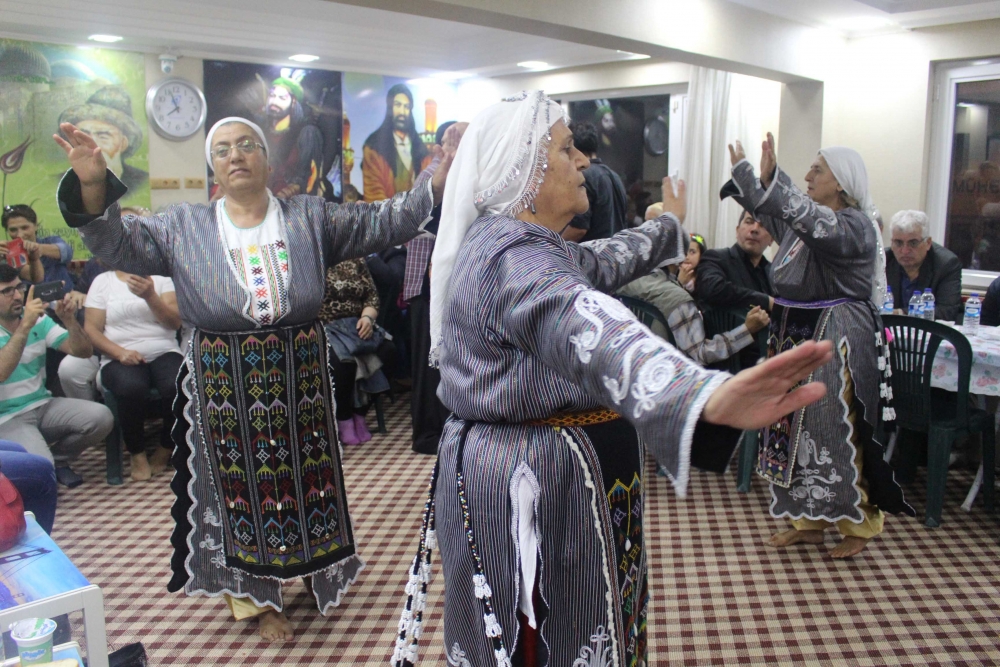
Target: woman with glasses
point(825, 463)
point(259, 485)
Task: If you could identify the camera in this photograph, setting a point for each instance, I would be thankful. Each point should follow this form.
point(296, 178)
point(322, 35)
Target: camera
point(167, 62)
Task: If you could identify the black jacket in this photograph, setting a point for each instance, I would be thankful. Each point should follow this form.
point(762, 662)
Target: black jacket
point(991, 305)
point(941, 272)
point(606, 215)
point(725, 278)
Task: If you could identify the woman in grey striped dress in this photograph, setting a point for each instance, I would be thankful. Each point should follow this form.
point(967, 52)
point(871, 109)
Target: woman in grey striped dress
point(259, 485)
point(538, 504)
point(825, 463)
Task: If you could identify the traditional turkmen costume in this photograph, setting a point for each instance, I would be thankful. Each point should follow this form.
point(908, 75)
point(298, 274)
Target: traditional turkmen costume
point(259, 485)
point(538, 505)
point(825, 462)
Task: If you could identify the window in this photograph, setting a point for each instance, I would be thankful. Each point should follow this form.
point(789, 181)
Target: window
point(964, 177)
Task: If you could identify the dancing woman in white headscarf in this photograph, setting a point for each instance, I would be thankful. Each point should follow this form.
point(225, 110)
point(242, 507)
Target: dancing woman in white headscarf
point(539, 483)
point(825, 462)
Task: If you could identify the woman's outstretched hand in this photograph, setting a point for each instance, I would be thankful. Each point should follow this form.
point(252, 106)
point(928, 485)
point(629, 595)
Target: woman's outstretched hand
point(761, 395)
point(736, 153)
point(676, 204)
point(768, 161)
point(83, 153)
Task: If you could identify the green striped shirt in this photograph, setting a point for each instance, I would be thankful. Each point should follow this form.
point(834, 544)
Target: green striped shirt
point(25, 388)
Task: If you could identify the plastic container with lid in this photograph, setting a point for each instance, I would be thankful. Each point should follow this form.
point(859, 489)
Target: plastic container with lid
point(34, 640)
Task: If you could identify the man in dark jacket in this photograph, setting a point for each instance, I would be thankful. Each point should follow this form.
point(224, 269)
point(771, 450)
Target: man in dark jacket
point(914, 262)
point(738, 277)
point(606, 215)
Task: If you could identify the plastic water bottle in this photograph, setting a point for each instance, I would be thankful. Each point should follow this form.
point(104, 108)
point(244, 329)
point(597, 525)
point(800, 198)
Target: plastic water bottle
point(889, 304)
point(928, 305)
point(916, 305)
point(973, 308)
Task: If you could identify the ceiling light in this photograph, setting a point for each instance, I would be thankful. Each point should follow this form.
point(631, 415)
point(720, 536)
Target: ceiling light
point(107, 39)
point(966, 105)
point(303, 58)
point(453, 76)
point(534, 64)
point(980, 63)
point(633, 56)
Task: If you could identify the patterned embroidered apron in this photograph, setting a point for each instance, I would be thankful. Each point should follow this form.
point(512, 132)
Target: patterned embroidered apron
point(265, 416)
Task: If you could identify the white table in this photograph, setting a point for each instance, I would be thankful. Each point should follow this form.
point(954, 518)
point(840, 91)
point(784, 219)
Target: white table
point(37, 580)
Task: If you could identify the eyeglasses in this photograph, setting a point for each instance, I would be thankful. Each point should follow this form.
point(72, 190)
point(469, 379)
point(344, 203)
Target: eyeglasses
point(246, 147)
point(8, 292)
point(912, 244)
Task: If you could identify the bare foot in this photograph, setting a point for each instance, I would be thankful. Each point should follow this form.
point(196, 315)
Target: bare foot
point(849, 546)
point(275, 627)
point(790, 537)
point(159, 460)
point(140, 468)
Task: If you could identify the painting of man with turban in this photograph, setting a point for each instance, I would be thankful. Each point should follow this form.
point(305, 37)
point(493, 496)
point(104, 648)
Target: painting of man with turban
point(107, 117)
point(296, 143)
point(394, 154)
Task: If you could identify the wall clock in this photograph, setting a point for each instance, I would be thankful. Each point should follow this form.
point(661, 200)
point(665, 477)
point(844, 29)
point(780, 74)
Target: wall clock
point(176, 109)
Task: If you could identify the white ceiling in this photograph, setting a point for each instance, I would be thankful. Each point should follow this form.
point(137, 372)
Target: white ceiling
point(864, 17)
point(349, 38)
point(363, 39)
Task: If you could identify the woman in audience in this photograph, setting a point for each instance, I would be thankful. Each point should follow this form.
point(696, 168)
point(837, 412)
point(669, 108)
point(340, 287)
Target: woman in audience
point(538, 499)
point(685, 276)
point(349, 309)
point(825, 463)
point(133, 322)
point(256, 344)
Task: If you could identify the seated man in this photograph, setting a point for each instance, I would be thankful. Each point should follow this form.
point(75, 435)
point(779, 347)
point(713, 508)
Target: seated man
point(56, 428)
point(608, 201)
point(991, 305)
point(914, 262)
point(739, 277)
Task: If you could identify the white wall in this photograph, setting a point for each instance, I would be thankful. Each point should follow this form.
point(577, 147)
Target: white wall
point(176, 159)
point(878, 100)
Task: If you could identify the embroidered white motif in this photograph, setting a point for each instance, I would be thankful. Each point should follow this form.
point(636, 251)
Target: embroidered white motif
point(211, 519)
point(457, 657)
point(600, 655)
point(588, 303)
point(808, 483)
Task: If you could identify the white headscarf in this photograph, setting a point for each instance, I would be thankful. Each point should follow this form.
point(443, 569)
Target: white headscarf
point(849, 170)
point(498, 169)
point(232, 119)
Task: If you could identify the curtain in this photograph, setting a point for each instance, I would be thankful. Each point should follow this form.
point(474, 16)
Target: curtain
point(723, 107)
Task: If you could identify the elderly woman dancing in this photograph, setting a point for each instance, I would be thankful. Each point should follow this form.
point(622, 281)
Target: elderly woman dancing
point(259, 485)
point(825, 463)
point(538, 493)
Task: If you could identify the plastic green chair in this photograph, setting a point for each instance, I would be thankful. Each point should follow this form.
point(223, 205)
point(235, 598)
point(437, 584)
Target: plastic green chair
point(943, 416)
point(647, 313)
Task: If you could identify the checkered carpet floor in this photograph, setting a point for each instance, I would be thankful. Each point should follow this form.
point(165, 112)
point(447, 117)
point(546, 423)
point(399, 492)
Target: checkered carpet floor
point(914, 597)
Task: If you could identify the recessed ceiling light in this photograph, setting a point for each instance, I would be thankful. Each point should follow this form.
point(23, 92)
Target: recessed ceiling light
point(966, 105)
point(107, 39)
point(303, 58)
point(633, 56)
point(533, 64)
point(979, 63)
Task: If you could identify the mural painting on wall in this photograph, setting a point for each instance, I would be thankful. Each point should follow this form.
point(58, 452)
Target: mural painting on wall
point(396, 121)
point(98, 90)
point(299, 111)
point(619, 124)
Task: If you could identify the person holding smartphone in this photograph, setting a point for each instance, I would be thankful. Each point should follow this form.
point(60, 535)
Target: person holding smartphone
point(58, 429)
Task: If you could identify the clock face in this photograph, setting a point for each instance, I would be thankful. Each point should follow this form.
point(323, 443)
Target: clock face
point(176, 108)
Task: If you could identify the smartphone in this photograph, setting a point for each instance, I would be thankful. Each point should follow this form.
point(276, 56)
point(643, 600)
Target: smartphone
point(48, 292)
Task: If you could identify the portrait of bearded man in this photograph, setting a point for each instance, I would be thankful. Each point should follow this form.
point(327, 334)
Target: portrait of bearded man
point(394, 154)
point(296, 157)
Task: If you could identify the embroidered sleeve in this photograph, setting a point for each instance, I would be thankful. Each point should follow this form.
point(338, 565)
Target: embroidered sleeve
point(845, 233)
point(594, 341)
point(362, 228)
point(613, 262)
point(688, 328)
point(129, 243)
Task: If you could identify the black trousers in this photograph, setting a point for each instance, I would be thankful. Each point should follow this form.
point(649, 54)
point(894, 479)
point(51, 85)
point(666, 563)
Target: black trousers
point(130, 386)
point(344, 374)
point(428, 414)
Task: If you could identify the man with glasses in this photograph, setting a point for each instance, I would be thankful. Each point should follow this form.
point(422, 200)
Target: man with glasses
point(913, 262)
point(55, 428)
